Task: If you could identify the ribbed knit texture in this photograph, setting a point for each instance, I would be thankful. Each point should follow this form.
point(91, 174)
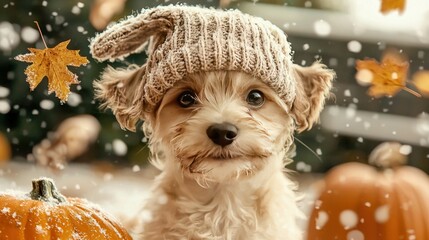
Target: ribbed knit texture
point(184, 40)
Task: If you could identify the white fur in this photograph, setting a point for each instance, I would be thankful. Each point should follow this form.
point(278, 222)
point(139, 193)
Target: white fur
point(208, 192)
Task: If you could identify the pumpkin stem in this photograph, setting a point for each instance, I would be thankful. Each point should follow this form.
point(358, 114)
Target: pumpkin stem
point(45, 190)
point(388, 155)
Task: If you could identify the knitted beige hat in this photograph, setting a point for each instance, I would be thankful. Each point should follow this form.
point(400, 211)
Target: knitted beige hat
point(182, 40)
point(192, 39)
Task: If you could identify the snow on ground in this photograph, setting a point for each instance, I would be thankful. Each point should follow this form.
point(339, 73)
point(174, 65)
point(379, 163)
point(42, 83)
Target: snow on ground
point(118, 191)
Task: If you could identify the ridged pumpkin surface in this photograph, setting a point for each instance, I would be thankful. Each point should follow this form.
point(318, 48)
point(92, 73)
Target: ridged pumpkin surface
point(76, 219)
point(360, 202)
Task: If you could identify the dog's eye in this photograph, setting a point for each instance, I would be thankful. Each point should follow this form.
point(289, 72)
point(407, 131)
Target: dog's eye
point(255, 98)
point(187, 99)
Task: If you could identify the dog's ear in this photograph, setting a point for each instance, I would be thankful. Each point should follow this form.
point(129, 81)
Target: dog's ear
point(122, 89)
point(313, 87)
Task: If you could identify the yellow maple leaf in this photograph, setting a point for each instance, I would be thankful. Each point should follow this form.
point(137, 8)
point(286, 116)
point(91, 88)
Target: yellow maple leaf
point(387, 77)
point(391, 5)
point(52, 63)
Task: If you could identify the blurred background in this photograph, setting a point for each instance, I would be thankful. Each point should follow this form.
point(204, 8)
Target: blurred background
point(338, 32)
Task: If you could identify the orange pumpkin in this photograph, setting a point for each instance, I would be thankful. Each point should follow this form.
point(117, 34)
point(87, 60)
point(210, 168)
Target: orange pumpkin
point(46, 214)
point(385, 202)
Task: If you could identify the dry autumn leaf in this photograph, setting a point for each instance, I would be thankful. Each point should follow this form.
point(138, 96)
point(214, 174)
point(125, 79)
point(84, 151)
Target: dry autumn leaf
point(391, 5)
point(385, 78)
point(52, 63)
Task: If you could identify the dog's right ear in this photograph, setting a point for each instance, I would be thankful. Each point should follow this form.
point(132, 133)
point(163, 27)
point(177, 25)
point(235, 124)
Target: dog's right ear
point(120, 90)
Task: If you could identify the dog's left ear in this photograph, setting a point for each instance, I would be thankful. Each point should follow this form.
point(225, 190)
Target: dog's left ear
point(313, 87)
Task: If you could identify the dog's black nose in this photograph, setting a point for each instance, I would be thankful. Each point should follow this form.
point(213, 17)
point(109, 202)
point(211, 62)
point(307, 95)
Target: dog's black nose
point(222, 133)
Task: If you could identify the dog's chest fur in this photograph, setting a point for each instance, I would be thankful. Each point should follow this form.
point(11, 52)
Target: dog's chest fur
point(245, 210)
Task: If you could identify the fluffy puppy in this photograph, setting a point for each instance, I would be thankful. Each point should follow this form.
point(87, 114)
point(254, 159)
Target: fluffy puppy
point(221, 141)
point(220, 115)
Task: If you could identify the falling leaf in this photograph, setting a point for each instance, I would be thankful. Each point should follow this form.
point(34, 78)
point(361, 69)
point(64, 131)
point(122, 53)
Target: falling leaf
point(52, 63)
point(391, 5)
point(421, 81)
point(386, 78)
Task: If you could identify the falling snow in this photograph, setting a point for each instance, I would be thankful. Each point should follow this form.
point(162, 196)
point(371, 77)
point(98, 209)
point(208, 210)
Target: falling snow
point(5, 210)
point(74, 99)
point(9, 37)
point(136, 168)
point(349, 219)
point(355, 235)
point(333, 62)
point(322, 219)
point(47, 104)
point(347, 93)
point(303, 167)
point(354, 46)
point(308, 4)
point(4, 106)
point(364, 77)
point(305, 47)
point(59, 20)
point(76, 10)
point(119, 147)
point(381, 214)
point(48, 27)
point(39, 229)
point(322, 28)
point(29, 34)
point(4, 92)
point(405, 149)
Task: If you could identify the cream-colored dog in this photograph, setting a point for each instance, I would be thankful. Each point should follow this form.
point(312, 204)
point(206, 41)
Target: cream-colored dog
point(221, 100)
point(221, 141)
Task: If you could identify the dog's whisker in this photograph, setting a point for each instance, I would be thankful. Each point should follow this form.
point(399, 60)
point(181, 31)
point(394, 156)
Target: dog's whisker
point(308, 148)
